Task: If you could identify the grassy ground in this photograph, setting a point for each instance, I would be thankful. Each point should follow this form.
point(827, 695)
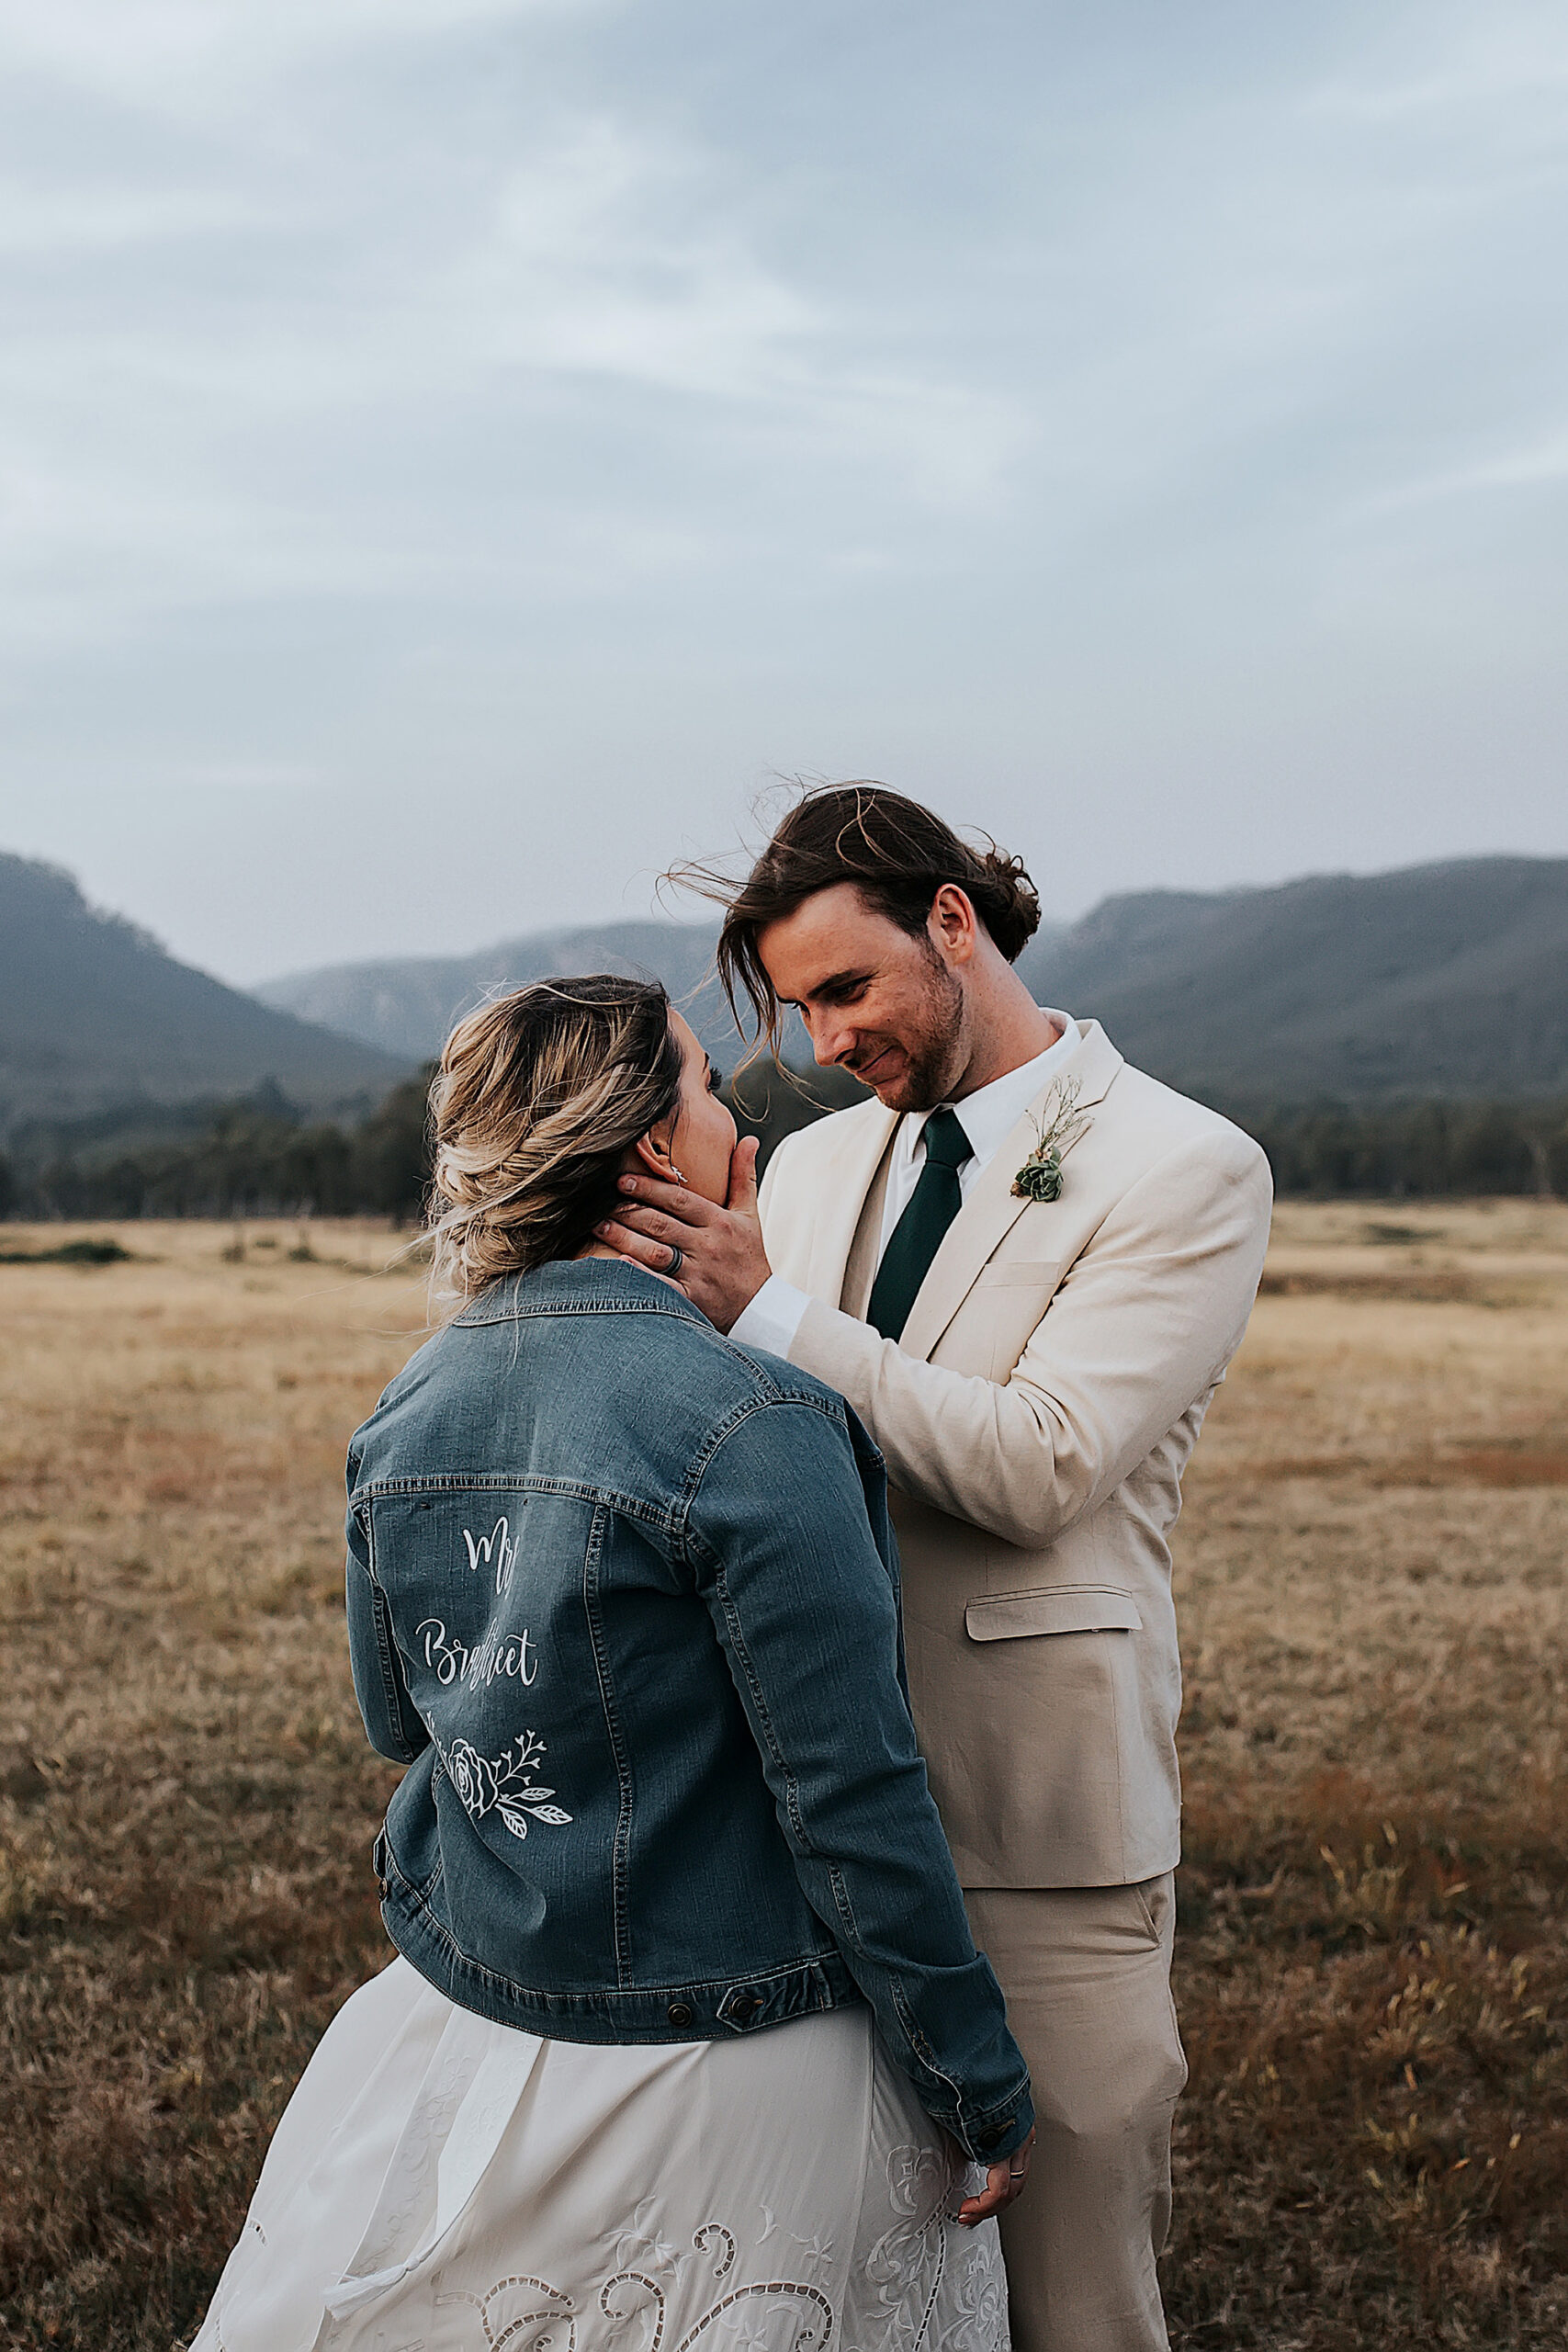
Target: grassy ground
point(1373, 1961)
point(1374, 1957)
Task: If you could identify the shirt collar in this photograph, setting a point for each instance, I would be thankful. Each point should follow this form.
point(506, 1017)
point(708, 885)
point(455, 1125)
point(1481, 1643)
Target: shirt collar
point(989, 1116)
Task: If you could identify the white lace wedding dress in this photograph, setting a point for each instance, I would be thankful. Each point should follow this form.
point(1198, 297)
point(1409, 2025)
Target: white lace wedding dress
point(439, 2184)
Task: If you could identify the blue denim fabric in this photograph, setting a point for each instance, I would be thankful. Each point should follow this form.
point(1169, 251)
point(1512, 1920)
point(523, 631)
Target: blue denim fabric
point(624, 1598)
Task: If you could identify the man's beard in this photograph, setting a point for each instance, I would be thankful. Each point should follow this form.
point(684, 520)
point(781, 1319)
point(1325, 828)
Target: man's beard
point(935, 1051)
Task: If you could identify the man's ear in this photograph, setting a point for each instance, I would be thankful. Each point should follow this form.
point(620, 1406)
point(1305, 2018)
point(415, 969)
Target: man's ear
point(953, 924)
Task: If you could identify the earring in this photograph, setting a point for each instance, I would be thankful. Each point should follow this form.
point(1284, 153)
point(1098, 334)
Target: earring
point(676, 1173)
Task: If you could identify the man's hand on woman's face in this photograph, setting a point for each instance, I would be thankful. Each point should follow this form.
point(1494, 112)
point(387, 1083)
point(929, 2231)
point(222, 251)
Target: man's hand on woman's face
point(723, 1264)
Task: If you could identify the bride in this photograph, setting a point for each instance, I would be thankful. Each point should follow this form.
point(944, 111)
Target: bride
point(688, 2042)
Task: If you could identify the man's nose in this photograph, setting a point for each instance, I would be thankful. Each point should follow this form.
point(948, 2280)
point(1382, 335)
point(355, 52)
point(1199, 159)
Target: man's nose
point(832, 1039)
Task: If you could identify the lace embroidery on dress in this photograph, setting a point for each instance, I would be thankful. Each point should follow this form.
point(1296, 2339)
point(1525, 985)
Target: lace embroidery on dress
point(507, 2318)
point(444, 2184)
point(906, 2272)
point(976, 2319)
point(933, 2287)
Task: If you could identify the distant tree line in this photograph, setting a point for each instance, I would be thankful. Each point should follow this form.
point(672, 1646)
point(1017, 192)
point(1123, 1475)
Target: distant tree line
point(259, 1156)
point(256, 1157)
point(1416, 1149)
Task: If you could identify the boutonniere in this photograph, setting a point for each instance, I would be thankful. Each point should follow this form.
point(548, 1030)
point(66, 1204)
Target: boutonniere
point(1040, 1178)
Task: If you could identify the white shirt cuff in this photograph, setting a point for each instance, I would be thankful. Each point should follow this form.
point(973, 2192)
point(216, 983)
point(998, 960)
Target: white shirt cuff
point(772, 1318)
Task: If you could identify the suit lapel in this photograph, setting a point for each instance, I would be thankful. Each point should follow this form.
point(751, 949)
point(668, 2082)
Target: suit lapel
point(839, 1201)
point(860, 1270)
point(993, 1209)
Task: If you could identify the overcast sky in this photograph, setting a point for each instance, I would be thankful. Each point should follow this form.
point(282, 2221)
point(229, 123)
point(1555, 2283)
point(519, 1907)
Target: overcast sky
point(454, 453)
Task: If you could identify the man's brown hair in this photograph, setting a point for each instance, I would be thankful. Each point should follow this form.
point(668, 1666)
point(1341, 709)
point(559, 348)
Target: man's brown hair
point(896, 854)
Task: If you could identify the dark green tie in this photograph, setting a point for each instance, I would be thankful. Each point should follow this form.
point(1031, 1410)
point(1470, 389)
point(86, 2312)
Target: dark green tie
point(915, 1239)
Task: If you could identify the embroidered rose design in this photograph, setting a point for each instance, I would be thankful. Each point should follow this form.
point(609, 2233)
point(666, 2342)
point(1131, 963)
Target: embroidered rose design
point(472, 1777)
point(486, 1784)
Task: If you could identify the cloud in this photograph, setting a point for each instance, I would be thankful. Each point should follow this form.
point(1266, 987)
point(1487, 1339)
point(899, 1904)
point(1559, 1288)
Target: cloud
point(617, 255)
point(1534, 465)
point(114, 218)
point(229, 421)
point(506, 390)
point(181, 58)
point(603, 259)
point(1508, 63)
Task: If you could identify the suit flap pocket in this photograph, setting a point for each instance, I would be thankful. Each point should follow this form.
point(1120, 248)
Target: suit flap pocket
point(1053, 1609)
point(1015, 1273)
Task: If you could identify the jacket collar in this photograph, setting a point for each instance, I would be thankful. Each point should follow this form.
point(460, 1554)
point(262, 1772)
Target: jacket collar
point(576, 1286)
point(993, 1208)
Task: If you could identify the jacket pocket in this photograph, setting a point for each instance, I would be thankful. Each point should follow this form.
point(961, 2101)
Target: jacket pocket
point(1010, 1298)
point(1053, 1609)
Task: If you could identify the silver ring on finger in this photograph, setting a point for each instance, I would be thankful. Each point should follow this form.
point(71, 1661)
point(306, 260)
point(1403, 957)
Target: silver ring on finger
point(677, 1260)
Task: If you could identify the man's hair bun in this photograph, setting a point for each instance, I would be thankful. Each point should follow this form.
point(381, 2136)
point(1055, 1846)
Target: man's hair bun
point(1008, 900)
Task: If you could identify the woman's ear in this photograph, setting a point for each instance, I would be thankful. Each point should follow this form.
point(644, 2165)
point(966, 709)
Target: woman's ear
point(654, 1157)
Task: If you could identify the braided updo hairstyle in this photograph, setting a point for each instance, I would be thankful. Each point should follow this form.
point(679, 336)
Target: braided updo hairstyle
point(538, 1099)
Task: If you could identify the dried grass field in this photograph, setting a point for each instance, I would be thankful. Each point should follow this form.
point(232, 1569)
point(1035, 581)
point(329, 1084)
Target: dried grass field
point(1373, 1961)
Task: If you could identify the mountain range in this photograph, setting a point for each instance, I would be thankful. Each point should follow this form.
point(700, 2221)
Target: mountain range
point(405, 1005)
point(95, 1015)
point(1448, 980)
point(1436, 980)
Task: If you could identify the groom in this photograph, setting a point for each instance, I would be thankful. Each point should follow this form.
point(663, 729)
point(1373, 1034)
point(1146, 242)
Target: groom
point(1026, 1266)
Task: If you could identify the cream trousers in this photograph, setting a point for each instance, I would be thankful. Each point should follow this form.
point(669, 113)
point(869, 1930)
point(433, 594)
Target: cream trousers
point(1087, 1976)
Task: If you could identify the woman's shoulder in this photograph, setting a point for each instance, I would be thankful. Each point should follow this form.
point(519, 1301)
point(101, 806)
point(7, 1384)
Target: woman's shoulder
point(595, 1358)
point(774, 1380)
point(729, 1377)
point(678, 1387)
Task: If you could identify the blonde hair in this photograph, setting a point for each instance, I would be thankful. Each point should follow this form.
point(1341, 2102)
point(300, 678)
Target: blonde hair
point(538, 1099)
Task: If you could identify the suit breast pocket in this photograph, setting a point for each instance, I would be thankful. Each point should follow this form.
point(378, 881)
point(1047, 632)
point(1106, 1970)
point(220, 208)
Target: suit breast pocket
point(1053, 1609)
point(1020, 1273)
point(1012, 1294)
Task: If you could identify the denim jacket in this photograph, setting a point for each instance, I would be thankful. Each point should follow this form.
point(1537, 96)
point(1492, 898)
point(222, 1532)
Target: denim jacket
point(624, 1598)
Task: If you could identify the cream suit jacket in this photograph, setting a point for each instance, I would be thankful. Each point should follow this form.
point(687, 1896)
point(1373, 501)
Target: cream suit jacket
point(1035, 1418)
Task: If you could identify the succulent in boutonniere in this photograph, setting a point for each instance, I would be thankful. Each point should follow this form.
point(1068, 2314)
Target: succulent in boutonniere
point(1040, 1178)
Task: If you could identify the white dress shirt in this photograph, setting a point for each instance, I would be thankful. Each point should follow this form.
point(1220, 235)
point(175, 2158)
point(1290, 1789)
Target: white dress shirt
point(987, 1117)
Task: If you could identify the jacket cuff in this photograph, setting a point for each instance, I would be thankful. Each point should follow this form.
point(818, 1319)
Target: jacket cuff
point(772, 1318)
point(997, 2131)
